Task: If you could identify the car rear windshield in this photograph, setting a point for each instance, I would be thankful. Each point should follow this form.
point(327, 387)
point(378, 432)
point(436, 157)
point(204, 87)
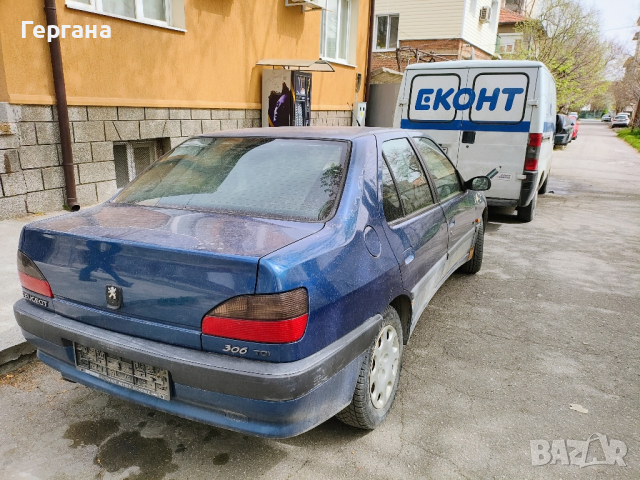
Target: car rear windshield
point(275, 178)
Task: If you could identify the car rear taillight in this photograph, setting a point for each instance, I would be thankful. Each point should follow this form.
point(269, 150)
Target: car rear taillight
point(275, 318)
point(31, 277)
point(533, 152)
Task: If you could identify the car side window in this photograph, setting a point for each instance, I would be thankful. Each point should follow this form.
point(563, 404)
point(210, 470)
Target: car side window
point(408, 175)
point(390, 200)
point(443, 172)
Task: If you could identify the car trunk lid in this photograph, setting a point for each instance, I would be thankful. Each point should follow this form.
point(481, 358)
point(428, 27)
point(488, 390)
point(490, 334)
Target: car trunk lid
point(170, 266)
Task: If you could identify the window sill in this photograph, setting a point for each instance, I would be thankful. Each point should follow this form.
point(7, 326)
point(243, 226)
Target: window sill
point(338, 62)
point(151, 23)
point(385, 50)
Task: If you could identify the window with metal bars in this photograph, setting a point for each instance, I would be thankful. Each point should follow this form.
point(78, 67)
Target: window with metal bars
point(132, 158)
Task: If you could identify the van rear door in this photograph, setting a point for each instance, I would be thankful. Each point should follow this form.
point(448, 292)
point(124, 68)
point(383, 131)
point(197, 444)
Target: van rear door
point(429, 106)
point(496, 126)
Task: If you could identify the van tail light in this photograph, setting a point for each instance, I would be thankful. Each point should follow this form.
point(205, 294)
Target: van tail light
point(533, 152)
point(535, 139)
point(274, 318)
point(31, 277)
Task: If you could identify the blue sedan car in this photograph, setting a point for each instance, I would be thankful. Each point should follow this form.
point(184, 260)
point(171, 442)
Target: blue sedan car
point(260, 280)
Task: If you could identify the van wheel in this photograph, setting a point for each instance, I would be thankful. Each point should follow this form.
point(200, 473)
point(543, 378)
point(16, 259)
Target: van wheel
point(527, 213)
point(475, 263)
point(543, 187)
point(379, 376)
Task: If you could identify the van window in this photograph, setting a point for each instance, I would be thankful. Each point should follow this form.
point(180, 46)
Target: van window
point(441, 169)
point(432, 98)
point(499, 98)
point(408, 175)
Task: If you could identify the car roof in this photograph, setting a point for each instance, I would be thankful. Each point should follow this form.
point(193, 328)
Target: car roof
point(475, 64)
point(337, 133)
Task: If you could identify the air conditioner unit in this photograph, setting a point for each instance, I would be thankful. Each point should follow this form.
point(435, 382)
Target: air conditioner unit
point(307, 5)
point(485, 14)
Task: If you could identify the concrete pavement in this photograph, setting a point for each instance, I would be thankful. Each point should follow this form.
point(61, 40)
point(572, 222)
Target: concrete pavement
point(496, 362)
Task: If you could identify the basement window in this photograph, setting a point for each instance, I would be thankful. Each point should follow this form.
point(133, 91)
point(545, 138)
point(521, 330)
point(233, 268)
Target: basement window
point(132, 158)
point(161, 13)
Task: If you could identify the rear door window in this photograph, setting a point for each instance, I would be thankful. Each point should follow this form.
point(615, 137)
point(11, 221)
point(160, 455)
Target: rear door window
point(390, 200)
point(499, 98)
point(408, 176)
point(264, 177)
point(441, 169)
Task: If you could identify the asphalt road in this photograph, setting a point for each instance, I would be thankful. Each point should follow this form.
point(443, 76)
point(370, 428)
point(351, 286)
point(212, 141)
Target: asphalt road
point(496, 361)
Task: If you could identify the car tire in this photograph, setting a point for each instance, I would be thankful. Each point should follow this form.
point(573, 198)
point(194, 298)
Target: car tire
point(371, 404)
point(475, 263)
point(543, 187)
point(526, 214)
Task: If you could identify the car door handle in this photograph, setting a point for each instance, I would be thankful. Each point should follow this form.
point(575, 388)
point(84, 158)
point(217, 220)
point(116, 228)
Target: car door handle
point(469, 137)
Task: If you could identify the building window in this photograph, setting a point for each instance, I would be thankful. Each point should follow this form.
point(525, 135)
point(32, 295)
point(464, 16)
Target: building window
point(132, 158)
point(508, 43)
point(387, 32)
point(335, 30)
point(155, 12)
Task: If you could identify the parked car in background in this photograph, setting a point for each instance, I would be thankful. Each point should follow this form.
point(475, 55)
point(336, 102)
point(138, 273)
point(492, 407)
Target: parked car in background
point(264, 304)
point(620, 121)
point(575, 123)
point(485, 116)
point(574, 114)
point(606, 117)
point(564, 130)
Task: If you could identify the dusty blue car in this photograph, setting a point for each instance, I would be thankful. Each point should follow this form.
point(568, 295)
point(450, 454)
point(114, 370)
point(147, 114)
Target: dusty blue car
point(260, 280)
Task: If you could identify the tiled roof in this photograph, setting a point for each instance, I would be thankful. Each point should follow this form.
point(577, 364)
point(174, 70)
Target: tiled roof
point(509, 16)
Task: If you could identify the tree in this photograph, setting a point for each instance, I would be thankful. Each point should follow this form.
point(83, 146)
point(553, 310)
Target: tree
point(566, 38)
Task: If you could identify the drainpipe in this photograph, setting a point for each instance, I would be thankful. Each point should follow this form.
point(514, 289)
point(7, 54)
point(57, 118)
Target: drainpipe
point(63, 110)
point(372, 18)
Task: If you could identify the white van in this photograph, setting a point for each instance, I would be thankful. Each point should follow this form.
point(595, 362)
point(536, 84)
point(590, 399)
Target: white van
point(487, 115)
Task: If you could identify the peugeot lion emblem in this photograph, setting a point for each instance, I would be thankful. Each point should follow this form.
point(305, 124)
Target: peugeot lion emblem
point(114, 296)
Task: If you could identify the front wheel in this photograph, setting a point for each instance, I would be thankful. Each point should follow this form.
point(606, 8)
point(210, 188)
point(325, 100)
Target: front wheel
point(379, 376)
point(474, 264)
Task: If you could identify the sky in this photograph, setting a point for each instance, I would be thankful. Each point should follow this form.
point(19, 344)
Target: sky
point(619, 19)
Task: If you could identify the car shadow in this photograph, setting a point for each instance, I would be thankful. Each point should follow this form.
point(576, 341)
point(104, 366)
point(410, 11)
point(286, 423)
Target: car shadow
point(499, 216)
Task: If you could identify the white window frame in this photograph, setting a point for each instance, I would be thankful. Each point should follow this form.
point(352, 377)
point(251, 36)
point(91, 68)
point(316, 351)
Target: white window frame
point(375, 39)
point(323, 40)
point(95, 6)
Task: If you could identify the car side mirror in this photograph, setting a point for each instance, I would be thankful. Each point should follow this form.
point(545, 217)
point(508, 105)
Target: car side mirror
point(479, 184)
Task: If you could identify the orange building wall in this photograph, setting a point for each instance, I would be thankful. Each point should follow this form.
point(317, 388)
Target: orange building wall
point(212, 65)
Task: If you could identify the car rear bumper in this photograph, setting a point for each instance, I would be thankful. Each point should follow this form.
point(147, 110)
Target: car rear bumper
point(260, 398)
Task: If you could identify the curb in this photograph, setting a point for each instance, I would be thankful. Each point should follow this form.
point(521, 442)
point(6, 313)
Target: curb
point(13, 345)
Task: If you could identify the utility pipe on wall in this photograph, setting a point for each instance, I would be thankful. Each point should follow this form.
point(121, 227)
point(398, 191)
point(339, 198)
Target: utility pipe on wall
point(63, 110)
point(372, 19)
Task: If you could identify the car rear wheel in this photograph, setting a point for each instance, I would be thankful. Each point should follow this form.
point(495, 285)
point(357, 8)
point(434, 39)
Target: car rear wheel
point(379, 376)
point(474, 264)
point(527, 213)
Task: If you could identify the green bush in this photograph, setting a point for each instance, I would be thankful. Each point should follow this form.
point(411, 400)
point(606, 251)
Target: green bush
point(632, 138)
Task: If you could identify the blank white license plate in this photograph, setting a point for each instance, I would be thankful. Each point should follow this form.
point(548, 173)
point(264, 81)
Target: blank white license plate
point(123, 372)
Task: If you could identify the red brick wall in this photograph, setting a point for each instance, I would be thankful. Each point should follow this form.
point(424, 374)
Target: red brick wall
point(450, 49)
